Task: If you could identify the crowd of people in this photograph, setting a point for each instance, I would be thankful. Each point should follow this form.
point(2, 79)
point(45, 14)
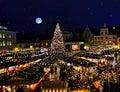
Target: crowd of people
point(14, 59)
point(89, 73)
point(77, 79)
point(31, 73)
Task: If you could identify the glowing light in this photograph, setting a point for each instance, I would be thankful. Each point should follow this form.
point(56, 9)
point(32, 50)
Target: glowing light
point(86, 47)
point(31, 46)
point(16, 49)
point(113, 27)
point(75, 47)
point(38, 20)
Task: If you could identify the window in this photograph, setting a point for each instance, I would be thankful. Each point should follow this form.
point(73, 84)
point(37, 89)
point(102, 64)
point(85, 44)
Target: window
point(106, 33)
point(46, 90)
point(53, 90)
point(57, 90)
point(9, 36)
point(3, 35)
point(9, 43)
point(75, 47)
point(50, 90)
point(110, 41)
point(101, 37)
point(46, 44)
point(113, 37)
point(106, 37)
point(106, 42)
point(0, 35)
point(0, 43)
point(3, 43)
point(61, 90)
point(98, 37)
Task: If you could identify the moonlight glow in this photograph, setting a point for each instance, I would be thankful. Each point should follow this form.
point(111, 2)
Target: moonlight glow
point(38, 20)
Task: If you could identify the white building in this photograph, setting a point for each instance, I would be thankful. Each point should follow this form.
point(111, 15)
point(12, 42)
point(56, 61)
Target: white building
point(7, 38)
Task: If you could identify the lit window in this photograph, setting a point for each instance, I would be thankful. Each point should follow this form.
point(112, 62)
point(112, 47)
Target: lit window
point(3, 43)
point(3, 35)
point(56, 90)
point(0, 35)
point(46, 90)
point(0, 43)
point(46, 44)
point(53, 90)
point(75, 47)
point(9, 36)
point(9, 43)
point(110, 41)
point(60, 90)
point(50, 90)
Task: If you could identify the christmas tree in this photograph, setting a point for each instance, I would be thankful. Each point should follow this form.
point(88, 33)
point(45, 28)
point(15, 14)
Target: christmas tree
point(57, 46)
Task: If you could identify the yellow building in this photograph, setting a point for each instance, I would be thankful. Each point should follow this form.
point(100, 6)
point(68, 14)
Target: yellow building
point(118, 42)
point(105, 38)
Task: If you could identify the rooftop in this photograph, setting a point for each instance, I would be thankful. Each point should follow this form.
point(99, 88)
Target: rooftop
point(5, 26)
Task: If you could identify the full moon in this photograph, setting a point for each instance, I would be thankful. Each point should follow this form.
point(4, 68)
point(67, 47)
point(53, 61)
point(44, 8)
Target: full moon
point(38, 20)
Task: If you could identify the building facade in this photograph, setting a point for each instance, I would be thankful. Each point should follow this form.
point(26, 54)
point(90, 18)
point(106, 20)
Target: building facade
point(46, 43)
point(7, 38)
point(54, 86)
point(118, 42)
point(87, 36)
point(67, 35)
point(105, 38)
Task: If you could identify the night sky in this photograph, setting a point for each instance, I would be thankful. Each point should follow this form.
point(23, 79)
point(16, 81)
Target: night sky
point(71, 14)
